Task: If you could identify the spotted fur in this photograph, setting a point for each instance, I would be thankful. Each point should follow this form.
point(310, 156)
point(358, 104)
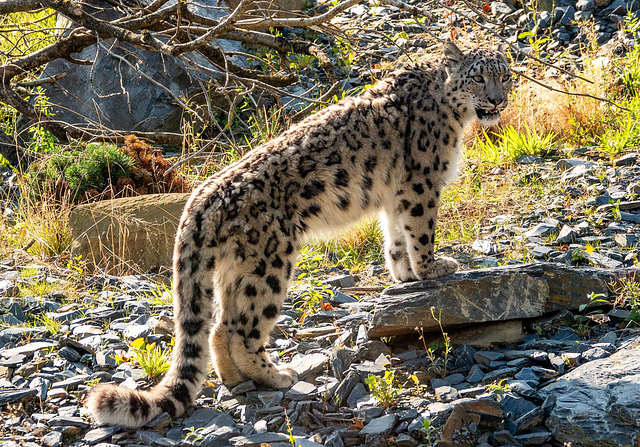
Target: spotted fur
point(391, 150)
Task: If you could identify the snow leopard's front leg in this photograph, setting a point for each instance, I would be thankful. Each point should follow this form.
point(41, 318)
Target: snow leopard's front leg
point(418, 214)
point(395, 248)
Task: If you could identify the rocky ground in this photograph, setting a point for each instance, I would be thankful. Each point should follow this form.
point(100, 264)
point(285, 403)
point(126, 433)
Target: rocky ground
point(572, 376)
point(381, 33)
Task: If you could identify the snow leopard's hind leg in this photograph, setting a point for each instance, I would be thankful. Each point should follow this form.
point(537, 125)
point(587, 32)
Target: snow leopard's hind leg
point(260, 295)
point(395, 249)
point(225, 367)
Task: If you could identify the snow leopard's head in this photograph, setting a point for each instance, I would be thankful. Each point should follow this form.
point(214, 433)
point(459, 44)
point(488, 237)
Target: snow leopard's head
point(484, 75)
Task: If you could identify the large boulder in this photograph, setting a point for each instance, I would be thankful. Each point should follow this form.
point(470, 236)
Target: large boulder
point(486, 295)
point(129, 234)
point(128, 89)
point(598, 403)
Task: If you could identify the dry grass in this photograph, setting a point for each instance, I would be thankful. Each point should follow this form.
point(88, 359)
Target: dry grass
point(42, 229)
point(574, 119)
point(479, 195)
point(354, 249)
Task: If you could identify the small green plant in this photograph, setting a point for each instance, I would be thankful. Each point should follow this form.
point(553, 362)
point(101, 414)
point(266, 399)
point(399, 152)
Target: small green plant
point(536, 43)
point(193, 435)
point(431, 433)
point(38, 288)
point(162, 295)
point(312, 296)
point(153, 360)
point(264, 125)
point(292, 439)
point(300, 61)
point(627, 292)
point(581, 326)
point(344, 53)
point(76, 267)
point(615, 211)
point(78, 170)
point(498, 388)
point(41, 139)
point(29, 272)
point(624, 133)
point(438, 364)
point(629, 66)
point(93, 382)
point(309, 262)
point(512, 144)
point(53, 327)
point(594, 299)
point(384, 389)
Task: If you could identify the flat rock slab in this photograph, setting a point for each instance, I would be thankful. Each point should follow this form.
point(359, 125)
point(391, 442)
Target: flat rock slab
point(488, 295)
point(599, 402)
point(9, 396)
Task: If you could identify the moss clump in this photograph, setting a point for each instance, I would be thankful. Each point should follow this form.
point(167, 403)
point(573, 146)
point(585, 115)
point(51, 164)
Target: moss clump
point(103, 171)
point(79, 174)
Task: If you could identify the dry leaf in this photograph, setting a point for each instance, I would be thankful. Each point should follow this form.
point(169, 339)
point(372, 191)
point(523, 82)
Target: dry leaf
point(327, 306)
point(357, 424)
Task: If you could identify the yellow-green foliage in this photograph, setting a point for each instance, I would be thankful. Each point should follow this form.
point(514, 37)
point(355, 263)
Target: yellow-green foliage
point(506, 145)
point(384, 389)
point(22, 33)
point(151, 358)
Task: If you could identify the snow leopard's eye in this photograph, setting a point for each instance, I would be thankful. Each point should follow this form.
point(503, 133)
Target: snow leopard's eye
point(506, 78)
point(479, 79)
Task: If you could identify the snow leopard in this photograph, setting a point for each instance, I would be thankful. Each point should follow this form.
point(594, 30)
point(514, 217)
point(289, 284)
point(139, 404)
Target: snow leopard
point(390, 151)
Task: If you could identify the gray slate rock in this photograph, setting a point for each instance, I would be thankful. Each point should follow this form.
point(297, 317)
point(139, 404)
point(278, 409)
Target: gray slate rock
point(302, 391)
point(341, 281)
point(599, 400)
point(52, 439)
point(9, 396)
point(98, 435)
point(493, 294)
point(122, 97)
point(381, 426)
point(308, 364)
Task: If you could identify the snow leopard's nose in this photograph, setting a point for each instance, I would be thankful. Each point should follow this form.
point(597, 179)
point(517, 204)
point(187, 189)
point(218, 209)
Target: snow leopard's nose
point(495, 101)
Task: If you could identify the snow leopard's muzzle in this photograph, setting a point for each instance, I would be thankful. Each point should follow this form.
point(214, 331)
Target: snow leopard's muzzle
point(490, 115)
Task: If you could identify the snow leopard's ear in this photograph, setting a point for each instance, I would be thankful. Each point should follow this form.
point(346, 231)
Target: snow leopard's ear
point(502, 48)
point(453, 57)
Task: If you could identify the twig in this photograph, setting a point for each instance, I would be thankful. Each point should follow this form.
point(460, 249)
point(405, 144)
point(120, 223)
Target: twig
point(223, 26)
point(194, 155)
point(150, 79)
point(42, 81)
point(298, 22)
point(586, 95)
point(369, 289)
point(311, 107)
point(9, 6)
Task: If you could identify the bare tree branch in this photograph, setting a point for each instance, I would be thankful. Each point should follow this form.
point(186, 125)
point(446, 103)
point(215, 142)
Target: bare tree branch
point(585, 95)
point(299, 22)
point(11, 6)
point(173, 30)
point(333, 90)
point(223, 26)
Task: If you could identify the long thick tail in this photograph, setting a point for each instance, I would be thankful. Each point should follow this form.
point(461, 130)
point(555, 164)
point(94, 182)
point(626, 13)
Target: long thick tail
point(193, 298)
